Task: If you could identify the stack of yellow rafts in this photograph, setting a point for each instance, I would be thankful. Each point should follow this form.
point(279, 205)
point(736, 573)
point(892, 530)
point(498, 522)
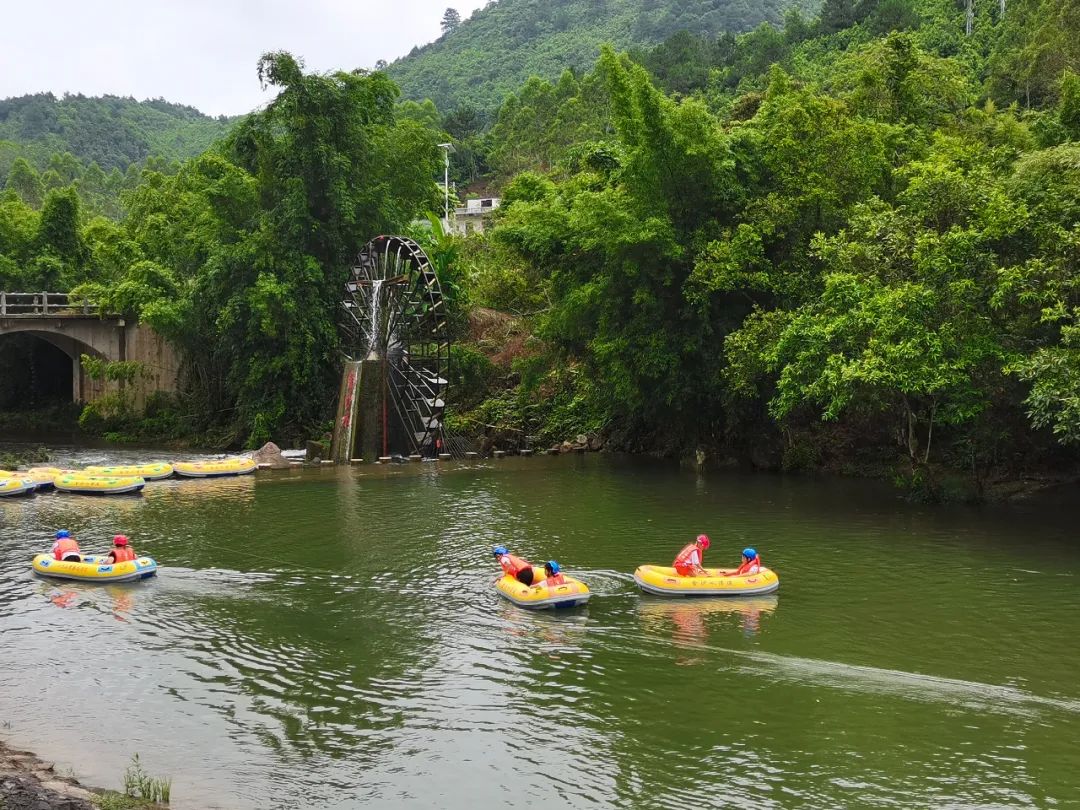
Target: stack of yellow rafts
point(215, 469)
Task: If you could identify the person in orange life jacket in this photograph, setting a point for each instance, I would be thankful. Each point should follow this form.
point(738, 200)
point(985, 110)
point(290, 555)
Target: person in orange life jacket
point(66, 547)
point(751, 563)
point(121, 551)
point(689, 561)
point(514, 566)
point(554, 574)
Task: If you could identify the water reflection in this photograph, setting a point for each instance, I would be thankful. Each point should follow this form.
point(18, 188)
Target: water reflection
point(117, 600)
point(688, 619)
point(543, 632)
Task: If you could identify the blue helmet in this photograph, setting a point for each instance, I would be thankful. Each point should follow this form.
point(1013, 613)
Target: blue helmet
point(60, 535)
point(749, 552)
point(552, 567)
point(499, 551)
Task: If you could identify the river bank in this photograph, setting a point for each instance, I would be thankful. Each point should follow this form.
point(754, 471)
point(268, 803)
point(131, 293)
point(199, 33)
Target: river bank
point(30, 783)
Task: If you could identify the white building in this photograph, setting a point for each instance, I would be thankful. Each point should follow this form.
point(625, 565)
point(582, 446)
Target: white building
point(473, 217)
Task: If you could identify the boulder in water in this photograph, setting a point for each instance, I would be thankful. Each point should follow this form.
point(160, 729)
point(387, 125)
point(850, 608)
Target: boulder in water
point(270, 454)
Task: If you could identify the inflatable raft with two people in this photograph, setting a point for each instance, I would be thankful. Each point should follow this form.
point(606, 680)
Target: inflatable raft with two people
point(537, 588)
point(687, 575)
point(66, 561)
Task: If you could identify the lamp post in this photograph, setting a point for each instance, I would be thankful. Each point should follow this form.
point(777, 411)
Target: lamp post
point(447, 149)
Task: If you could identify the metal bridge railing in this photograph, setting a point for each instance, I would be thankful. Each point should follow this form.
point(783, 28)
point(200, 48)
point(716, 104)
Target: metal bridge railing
point(44, 303)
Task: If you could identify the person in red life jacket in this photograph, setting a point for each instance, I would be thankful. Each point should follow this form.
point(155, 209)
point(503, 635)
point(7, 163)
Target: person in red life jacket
point(751, 563)
point(554, 574)
point(66, 547)
point(513, 566)
point(121, 551)
point(690, 559)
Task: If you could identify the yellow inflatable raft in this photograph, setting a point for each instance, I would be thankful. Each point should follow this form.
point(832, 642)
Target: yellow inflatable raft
point(215, 469)
point(86, 484)
point(42, 477)
point(571, 593)
point(14, 484)
point(148, 472)
point(94, 569)
point(666, 581)
point(52, 472)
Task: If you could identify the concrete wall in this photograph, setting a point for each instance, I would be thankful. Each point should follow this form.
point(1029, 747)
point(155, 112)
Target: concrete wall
point(161, 360)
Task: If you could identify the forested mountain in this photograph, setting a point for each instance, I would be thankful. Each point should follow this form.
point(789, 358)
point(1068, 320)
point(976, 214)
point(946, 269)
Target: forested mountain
point(477, 61)
point(111, 131)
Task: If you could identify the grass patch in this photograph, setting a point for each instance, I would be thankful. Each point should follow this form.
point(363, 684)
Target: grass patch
point(140, 790)
point(117, 801)
point(12, 461)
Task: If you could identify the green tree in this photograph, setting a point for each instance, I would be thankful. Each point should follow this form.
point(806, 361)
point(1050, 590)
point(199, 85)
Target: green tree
point(451, 19)
point(1068, 106)
point(59, 234)
point(24, 180)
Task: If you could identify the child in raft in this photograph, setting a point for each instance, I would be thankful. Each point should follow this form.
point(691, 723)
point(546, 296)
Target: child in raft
point(513, 566)
point(66, 547)
point(689, 561)
point(554, 575)
point(121, 551)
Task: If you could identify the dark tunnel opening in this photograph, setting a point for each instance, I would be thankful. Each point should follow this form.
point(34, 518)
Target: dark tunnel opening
point(33, 374)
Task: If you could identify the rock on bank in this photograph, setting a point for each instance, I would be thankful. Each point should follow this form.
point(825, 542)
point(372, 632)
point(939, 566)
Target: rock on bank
point(27, 783)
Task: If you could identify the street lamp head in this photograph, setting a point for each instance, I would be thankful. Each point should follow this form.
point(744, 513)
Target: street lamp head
point(449, 147)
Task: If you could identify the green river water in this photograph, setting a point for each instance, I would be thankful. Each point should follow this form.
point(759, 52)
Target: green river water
point(332, 639)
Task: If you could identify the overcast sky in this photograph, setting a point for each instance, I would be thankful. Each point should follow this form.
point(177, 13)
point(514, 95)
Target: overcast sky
point(199, 52)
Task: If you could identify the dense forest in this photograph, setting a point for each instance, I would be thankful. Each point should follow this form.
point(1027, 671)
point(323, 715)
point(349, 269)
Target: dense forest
point(110, 131)
point(97, 146)
point(479, 60)
point(850, 242)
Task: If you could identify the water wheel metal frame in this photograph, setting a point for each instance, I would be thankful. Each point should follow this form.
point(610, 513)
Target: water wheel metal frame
point(407, 325)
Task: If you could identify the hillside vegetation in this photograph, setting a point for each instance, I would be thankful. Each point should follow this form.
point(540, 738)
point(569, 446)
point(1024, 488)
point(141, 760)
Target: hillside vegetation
point(110, 131)
point(848, 244)
point(503, 44)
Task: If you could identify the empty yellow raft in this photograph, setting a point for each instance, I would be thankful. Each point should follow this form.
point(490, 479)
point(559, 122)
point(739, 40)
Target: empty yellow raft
point(665, 581)
point(94, 569)
point(215, 469)
point(571, 593)
point(42, 477)
point(15, 484)
point(50, 472)
point(87, 484)
point(154, 471)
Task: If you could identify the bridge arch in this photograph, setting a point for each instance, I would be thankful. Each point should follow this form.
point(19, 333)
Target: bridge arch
point(82, 388)
point(70, 326)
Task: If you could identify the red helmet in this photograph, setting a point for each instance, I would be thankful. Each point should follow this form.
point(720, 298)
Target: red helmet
point(120, 540)
point(703, 541)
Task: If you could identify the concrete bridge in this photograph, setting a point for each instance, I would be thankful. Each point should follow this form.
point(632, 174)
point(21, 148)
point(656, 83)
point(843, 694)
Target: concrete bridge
point(73, 326)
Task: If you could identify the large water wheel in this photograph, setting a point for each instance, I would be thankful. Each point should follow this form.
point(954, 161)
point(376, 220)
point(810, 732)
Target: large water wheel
point(396, 339)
